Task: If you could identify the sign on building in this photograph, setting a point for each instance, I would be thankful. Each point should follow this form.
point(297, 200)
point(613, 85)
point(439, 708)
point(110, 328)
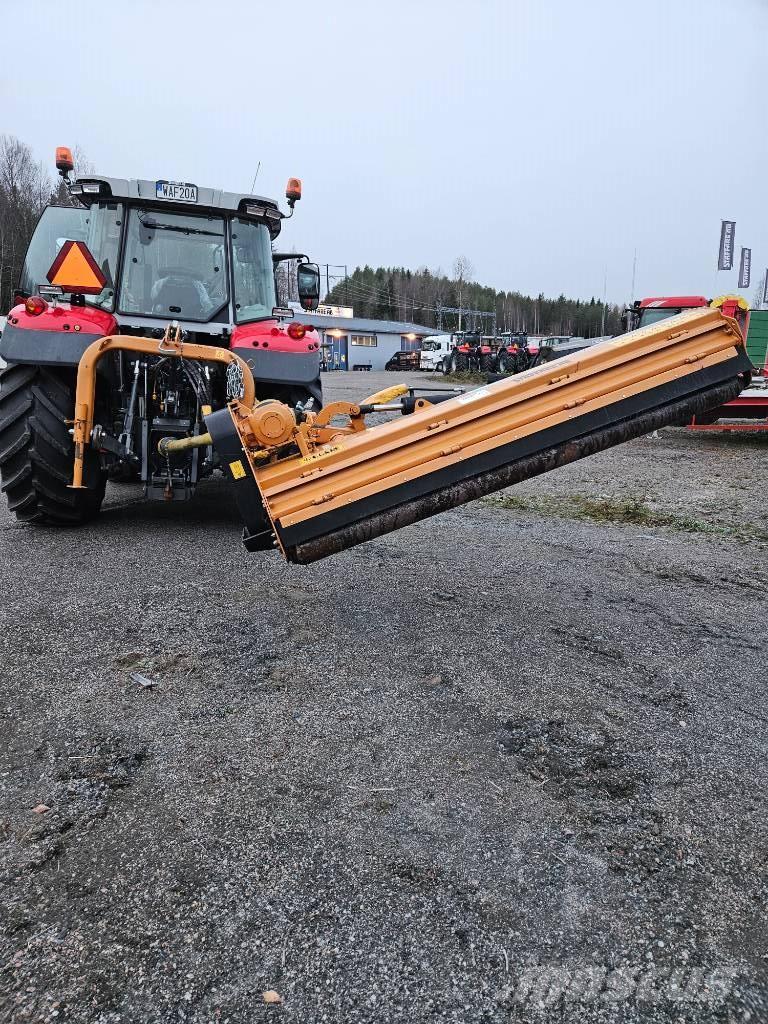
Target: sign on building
point(345, 311)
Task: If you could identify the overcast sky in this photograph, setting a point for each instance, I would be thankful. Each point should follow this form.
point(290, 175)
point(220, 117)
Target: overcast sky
point(546, 140)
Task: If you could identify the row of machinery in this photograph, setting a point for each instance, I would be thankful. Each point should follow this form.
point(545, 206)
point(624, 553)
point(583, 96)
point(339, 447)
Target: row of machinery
point(469, 351)
point(147, 344)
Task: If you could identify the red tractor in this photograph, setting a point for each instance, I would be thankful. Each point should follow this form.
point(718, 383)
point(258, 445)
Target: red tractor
point(752, 403)
point(514, 354)
point(471, 352)
point(649, 311)
point(163, 296)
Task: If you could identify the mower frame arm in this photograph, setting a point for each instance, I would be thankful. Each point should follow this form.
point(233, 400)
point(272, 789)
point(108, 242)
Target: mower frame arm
point(170, 346)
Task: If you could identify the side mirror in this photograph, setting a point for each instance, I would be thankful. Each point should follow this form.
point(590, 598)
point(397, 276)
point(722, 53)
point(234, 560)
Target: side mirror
point(308, 284)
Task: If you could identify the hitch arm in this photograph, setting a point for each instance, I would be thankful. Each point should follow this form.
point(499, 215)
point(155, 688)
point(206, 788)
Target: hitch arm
point(170, 345)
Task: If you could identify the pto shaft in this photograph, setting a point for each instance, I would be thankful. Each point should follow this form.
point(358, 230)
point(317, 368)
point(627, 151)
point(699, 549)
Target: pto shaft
point(167, 445)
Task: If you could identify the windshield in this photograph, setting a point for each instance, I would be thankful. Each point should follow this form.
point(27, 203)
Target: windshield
point(430, 346)
point(652, 316)
point(174, 265)
point(98, 226)
point(252, 271)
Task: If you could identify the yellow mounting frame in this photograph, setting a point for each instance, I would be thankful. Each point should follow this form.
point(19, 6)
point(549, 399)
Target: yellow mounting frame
point(169, 345)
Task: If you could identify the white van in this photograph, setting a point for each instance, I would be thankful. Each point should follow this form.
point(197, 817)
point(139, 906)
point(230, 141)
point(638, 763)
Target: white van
point(435, 350)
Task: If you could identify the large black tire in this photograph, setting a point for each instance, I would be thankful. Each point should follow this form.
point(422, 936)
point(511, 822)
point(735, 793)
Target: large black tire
point(487, 362)
point(36, 449)
point(507, 362)
point(460, 361)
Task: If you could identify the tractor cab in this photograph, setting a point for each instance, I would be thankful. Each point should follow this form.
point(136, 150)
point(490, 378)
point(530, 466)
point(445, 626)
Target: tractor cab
point(161, 251)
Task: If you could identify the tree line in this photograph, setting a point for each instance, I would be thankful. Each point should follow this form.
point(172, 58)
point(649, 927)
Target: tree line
point(423, 296)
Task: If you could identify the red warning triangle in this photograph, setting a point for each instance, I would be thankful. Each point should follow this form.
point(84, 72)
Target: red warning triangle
point(75, 270)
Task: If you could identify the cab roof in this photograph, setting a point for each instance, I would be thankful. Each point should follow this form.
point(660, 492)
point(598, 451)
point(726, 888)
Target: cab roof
point(674, 302)
point(144, 191)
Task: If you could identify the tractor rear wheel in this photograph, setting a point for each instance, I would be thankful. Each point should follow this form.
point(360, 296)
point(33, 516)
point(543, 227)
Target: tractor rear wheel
point(460, 362)
point(36, 449)
point(486, 362)
point(507, 362)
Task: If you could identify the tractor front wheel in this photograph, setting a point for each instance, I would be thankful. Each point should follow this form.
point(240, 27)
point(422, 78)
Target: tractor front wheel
point(36, 449)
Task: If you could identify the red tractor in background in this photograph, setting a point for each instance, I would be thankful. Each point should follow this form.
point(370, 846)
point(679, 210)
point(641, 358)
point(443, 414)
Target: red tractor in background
point(649, 311)
point(752, 403)
point(471, 352)
point(507, 353)
point(514, 354)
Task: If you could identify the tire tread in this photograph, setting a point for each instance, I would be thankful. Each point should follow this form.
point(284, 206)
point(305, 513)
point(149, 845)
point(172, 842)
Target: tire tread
point(36, 450)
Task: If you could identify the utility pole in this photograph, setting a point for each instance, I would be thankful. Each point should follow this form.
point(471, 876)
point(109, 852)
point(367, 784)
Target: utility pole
point(634, 271)
point(336, 277)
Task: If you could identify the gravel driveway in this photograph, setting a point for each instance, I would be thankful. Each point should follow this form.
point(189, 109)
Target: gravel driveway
point(506, 765)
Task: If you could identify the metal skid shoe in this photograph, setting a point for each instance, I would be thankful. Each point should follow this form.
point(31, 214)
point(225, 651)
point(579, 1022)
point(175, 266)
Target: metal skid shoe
point(257, 532)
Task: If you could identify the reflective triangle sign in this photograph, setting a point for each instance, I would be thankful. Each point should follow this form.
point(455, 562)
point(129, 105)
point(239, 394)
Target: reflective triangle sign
point(75, 270)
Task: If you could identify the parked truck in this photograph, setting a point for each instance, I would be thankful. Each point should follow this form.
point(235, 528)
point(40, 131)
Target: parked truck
point(435, 353)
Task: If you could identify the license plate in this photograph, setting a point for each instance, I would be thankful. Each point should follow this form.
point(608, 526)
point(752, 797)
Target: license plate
point(177, 191)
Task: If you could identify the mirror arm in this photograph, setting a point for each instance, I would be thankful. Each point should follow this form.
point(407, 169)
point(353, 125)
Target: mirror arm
point(278, 257)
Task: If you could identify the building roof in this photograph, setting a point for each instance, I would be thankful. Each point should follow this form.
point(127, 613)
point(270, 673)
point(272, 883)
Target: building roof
point(359, 325)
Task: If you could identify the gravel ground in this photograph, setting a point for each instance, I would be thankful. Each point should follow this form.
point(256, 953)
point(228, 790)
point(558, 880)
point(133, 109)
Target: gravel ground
point(505, 765)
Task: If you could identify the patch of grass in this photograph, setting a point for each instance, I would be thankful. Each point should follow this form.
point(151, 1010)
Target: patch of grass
point(469, 377)
point(632, 509)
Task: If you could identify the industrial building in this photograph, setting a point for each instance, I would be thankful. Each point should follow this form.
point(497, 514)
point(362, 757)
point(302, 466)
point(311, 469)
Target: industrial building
point(351, 343)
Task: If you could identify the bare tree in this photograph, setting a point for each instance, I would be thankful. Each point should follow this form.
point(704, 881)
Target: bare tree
point(759, 292)
point(25, 190)
point(286, 281)
point(462, 272)
point(83, 166)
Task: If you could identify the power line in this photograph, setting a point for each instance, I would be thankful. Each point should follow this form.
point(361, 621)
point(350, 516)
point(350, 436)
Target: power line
point(516, 308)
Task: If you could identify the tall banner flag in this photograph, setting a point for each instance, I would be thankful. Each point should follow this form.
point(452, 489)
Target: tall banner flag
point(745, 268)
point(727, 241)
